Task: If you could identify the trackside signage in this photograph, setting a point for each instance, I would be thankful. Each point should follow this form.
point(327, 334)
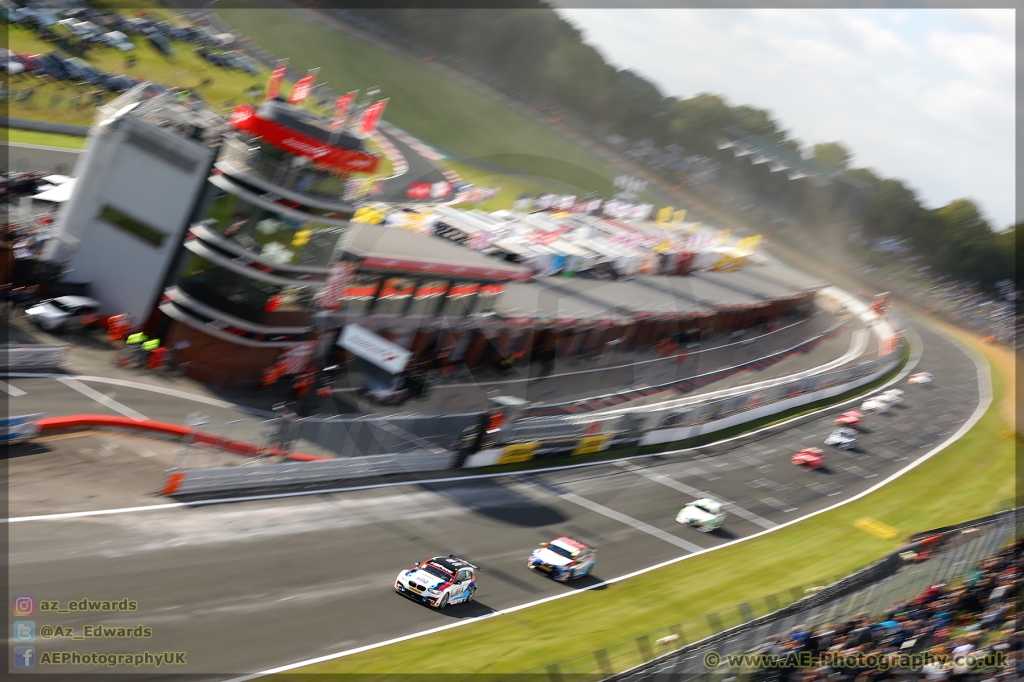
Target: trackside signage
point(246, 119)
point(360, 341)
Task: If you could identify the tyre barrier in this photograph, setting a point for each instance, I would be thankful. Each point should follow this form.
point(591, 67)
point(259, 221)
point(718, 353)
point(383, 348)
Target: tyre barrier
point(101, 422)
point(239, 478)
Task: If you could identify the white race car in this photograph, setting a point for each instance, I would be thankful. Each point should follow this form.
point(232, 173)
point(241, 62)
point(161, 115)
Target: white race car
point(844, 439)
point(705, 515)
point(874, 405)
point(563, 559)
point(920, 379)
point(893, 396)
point(439, 582)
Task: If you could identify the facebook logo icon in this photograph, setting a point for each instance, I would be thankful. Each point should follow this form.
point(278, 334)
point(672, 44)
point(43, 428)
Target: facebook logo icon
point(24, 657)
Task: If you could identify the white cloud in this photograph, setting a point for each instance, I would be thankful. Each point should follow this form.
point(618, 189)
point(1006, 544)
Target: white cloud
point(923, 95)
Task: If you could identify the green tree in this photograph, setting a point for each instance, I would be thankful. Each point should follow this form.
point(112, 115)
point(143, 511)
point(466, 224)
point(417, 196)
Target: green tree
point(696, 123)
point(892, 211)
point(832, 154)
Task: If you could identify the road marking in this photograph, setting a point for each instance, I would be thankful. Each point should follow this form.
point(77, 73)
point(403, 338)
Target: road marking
point(612, 514)
point(103, 399)
point(689, 490)
point(11, 390)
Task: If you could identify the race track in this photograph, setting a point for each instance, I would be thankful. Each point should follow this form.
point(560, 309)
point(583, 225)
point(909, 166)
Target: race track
point(249, 586)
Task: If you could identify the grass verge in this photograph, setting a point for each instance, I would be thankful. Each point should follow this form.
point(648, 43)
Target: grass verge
point(427, 104)
point(47, 139)
point(957, 484)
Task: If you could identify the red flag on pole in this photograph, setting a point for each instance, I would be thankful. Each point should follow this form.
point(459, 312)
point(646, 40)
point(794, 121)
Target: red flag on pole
point(371, 117)
point(341, 109)
point(303, 87)
point(276, 76)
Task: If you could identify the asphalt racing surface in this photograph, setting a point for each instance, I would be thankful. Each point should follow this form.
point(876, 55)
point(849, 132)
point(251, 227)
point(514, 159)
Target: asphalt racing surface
point(249, 586)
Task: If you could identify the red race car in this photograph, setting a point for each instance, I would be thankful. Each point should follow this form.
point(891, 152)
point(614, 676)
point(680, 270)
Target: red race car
point(810, 457)
point(849, 419)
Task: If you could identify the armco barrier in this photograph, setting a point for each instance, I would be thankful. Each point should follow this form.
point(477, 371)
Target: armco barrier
point(256, 477)
point(173, 431)
point(21, 357)
point(727, 413)
point(19, 428)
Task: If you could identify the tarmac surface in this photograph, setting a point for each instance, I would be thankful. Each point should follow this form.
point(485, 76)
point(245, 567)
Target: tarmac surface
point(248, 586)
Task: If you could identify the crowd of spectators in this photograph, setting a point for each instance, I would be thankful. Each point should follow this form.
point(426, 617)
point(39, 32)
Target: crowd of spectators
point(993, 315)
point(973, 618)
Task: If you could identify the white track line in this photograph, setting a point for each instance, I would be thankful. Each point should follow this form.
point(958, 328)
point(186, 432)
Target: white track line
point(612, 514)
point(185, 395)
point(11, 390)
point(102, 399)
point(690, 490)
point(450, 479)
point(984, 387)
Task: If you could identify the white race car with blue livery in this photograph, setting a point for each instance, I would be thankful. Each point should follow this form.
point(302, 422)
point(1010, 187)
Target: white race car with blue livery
point(439, 582)
point(563, 559)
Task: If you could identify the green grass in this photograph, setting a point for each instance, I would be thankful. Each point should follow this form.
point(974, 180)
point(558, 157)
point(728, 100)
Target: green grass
point(46, 139)
point(959, 483)
point(442, 112)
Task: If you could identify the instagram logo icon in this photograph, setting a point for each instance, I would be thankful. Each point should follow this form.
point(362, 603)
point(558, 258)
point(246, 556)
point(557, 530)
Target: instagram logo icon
point(24, 605)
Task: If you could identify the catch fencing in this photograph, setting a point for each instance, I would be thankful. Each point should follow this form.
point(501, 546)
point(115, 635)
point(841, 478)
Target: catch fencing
point(677, 652)
point(651, 425)
point(682, 385)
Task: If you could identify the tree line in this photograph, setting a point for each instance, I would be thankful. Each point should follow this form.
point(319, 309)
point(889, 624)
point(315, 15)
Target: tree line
point(540, 57)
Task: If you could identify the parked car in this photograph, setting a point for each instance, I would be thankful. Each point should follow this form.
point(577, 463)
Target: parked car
point(162, 44)
point(9, 64)
point(29, 61)
point(81, 71)
point(118, 83)
point(58, 313)
point(52, 66)
point(117, 40)
point(238, 60)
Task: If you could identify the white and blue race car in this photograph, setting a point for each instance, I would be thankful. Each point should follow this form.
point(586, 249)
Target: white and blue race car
point(439, 582)
point(563, 559)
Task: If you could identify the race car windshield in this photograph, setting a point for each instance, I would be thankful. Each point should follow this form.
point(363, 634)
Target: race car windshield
point(436, 572)
point(703, 508)
point(560, 551)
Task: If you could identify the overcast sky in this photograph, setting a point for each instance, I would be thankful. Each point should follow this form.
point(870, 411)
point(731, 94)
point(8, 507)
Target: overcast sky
point(923, 95)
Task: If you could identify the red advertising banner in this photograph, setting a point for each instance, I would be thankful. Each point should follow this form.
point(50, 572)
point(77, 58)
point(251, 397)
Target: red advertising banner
point(418, 190)
point(341, 109)
point(247, 120)
point(371, 117)
point(302, 87)
point(336, 283)
point(276, 76)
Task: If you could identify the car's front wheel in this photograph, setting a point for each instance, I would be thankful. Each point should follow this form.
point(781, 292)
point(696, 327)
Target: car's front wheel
point(444, 601)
